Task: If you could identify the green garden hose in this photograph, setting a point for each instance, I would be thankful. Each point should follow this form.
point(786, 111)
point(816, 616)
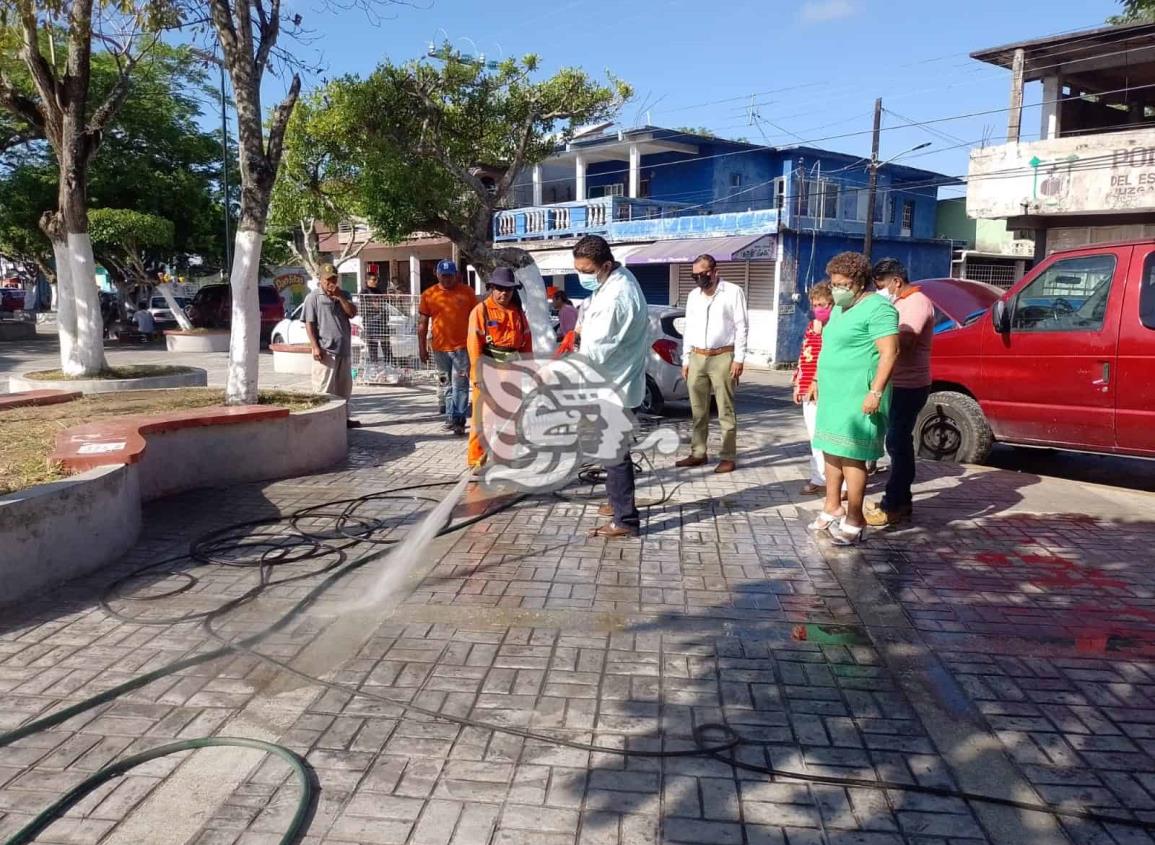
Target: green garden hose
point(305, 803)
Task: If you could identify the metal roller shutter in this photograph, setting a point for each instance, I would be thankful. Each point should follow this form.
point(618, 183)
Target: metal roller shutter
point(654, 280)
point(685, 283)
point(760, 286)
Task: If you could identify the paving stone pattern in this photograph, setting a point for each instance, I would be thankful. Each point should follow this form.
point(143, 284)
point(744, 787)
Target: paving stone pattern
point(727, 611)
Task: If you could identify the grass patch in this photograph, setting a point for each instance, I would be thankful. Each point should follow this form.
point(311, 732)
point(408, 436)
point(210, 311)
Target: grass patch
point(28, 435)
point(112, 373)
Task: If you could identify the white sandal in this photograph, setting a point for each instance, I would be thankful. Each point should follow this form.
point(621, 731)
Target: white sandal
point(844, 536)
point(823, 522)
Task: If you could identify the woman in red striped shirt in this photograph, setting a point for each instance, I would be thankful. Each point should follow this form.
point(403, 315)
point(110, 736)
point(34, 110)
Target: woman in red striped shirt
point(821, 301)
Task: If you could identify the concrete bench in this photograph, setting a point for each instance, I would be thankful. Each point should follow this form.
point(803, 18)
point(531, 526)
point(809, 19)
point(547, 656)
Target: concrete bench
point(122, 440)
point(30, 398)
point(294, 358)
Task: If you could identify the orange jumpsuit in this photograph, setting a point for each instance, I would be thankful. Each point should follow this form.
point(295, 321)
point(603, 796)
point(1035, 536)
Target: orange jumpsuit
point(493, 331)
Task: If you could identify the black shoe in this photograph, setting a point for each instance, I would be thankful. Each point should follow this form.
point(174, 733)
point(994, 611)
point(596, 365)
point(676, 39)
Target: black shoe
point(352, 423)
point(458, 429)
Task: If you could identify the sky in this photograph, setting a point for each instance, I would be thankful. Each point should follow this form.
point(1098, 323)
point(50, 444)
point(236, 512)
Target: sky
point(780, 72)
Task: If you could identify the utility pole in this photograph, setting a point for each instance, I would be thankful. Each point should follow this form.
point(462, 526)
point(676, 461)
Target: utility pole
point(225, 175)
point(209, 58)
point(872, 185)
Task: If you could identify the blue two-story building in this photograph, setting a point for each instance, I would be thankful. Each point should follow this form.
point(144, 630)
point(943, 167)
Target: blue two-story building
point(771, 216)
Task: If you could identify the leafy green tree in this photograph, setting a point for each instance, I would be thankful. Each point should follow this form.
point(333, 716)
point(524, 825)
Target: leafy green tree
point(440, 145)
point(154, 159)
point(126, 242)
point(1135, 11)
point(320, 181)
point(53, 98)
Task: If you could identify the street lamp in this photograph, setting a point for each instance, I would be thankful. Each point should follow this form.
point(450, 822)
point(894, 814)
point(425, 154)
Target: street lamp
point(872, 187)
point(211, 59)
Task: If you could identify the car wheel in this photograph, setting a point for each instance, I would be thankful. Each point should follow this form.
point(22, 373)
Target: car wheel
point(953, 428)
point(276, 339)
point(653, 402)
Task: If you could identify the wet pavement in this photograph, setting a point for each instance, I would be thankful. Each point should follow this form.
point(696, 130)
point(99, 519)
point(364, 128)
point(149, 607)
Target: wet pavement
point(1001, 644)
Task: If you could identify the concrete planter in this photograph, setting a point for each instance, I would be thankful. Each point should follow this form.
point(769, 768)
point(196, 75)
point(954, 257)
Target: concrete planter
point(195, 377)
point(17, 330)
point(199, 341)
point(54, 532)
point(294, 358)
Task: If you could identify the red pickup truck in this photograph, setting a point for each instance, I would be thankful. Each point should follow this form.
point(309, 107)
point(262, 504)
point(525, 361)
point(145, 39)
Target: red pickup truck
point(1064, 359)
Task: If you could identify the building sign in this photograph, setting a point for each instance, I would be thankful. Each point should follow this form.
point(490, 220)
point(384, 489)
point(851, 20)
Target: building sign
point(764, 247)
point(1112, 172)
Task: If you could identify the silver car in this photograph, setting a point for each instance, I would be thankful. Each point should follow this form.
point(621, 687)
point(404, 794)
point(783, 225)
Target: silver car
point(664, 382)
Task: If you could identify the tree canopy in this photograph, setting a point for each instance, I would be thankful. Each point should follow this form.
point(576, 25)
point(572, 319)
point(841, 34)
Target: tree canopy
point(154, 159)
point(440, 145)
point(1135, 11)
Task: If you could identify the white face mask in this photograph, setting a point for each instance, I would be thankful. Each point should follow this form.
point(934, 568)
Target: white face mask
point(589, 281)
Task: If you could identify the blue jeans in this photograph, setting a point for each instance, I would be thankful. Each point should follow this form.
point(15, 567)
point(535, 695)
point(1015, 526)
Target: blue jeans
point(454, 366)
point(905, 405)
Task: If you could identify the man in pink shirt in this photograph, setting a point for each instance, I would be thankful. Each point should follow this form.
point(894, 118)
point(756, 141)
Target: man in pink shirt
point(910, 387)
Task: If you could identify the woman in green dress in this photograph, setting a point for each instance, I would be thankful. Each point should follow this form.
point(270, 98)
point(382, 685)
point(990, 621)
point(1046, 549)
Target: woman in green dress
point(859, 349)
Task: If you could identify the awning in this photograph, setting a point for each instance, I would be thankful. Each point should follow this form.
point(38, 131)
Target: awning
point(730, 248)
point(554, 262)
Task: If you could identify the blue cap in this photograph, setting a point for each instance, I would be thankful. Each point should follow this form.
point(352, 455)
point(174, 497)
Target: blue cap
point(445, 267)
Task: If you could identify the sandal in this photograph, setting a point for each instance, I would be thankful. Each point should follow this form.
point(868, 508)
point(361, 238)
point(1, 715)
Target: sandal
point(823, 522)
point(844, 536)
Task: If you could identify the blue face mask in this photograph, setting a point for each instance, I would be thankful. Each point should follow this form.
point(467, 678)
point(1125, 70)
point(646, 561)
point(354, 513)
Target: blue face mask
point(589, 281)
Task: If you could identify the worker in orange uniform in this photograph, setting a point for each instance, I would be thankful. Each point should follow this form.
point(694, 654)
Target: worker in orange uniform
point(498, 329)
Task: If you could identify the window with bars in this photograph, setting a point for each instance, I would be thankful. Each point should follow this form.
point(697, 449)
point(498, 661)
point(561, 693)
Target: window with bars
point(907, 217)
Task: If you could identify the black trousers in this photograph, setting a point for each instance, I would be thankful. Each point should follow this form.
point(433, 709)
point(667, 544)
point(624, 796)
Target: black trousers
point(905, 405)
point(620, 489)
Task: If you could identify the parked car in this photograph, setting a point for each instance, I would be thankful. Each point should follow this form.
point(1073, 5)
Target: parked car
point(402, 332)
point(211, 308)
point(664, 382)
point(1064, 359)
point(162, 315)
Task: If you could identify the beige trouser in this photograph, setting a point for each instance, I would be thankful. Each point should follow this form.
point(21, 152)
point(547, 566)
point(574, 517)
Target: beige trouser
point(334, 376)
point(711, 373)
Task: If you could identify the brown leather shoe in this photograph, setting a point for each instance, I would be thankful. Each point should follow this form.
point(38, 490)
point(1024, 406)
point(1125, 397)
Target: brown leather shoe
point(613, 531)
point(606, 510)
point(692, 461)
point(724, 467)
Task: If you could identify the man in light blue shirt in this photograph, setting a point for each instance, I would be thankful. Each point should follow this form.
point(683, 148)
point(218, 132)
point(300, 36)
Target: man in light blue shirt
point(614, 334)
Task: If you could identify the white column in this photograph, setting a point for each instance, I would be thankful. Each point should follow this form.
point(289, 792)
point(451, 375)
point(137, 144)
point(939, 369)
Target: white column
point(1052, 87)
point(414, 275)
point(579, 164)
point(635, 170)
point(537, 184)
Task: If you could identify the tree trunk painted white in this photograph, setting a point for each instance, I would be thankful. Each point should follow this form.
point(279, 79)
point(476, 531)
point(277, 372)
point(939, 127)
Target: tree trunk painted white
point(89, 350)
point(536, 309)
point(245, 339)
point(181, 318)
point(65, 309)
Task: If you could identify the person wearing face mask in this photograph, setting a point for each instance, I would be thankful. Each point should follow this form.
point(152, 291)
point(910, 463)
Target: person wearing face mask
point(821, 305)
point(910, 387)
point(859, 351)
point(615, 333)
point(498, 329)
point(714, 350)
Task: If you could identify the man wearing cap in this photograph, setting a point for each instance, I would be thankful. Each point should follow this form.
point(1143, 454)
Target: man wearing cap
point(499, 330)
point(447, 306)
point(327, 312)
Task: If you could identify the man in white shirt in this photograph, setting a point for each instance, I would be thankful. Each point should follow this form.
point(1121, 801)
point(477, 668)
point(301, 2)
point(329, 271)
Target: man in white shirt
point(713, 352)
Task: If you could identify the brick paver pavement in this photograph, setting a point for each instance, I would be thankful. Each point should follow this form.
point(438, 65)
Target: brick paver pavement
point(1002, 644)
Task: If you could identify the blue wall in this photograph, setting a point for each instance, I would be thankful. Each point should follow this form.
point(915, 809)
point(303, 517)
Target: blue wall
point(654, 280)
point(807, 255)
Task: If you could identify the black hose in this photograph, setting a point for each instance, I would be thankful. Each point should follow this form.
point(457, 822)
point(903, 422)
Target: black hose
point(264, 548)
